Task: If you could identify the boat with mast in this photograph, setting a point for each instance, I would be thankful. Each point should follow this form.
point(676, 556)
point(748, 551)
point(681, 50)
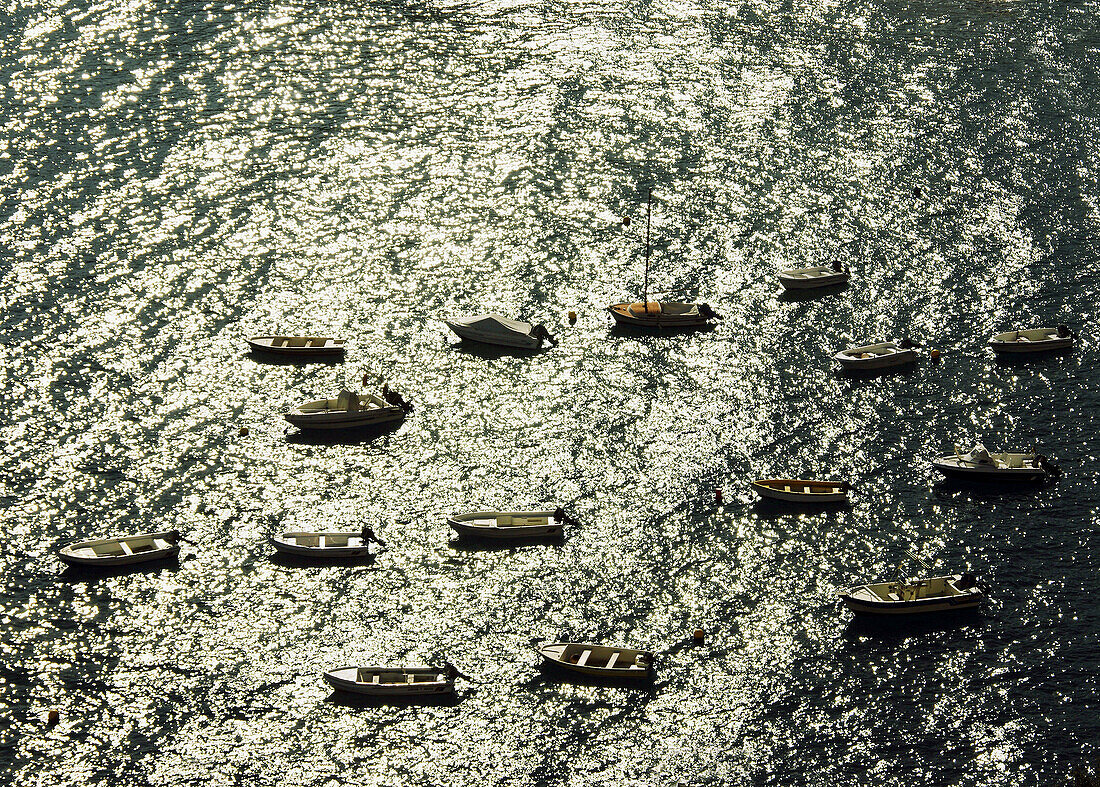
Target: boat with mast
point(659, 314)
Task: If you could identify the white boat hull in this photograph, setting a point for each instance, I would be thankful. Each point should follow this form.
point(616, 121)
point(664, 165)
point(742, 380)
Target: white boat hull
point(519, 340)
point(390, 681)
point(122, 551)
point(900, 599)
point(506, 524)
point(875, 356)
point(599, 661)
point(953, 466)
point(321, 544)
point(811, 278)
point(1038, 340)
point(297, 346)
point(659, 314)
point(347, 411)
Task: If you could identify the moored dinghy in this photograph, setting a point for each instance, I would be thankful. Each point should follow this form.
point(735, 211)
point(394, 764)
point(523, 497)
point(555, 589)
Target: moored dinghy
point(325, 543)
point(795, 491)
point(915, 596)
point(878, 356)
point(811, 278)
point(300, 346)
point(511, 524)
point(603, 661)
point(393, 681)
point(1034, 341)
point(349, 411)
point(980, 464)
point(122, 551)
point(494, 329)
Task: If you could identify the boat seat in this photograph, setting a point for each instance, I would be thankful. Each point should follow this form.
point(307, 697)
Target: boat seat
point(893, 597)
point(614, 657)
point(584, 657)
point(504, 521)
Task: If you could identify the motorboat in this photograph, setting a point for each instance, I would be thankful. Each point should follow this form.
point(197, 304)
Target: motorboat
point(349, 411)
point(492, 328)
point(659, 314)
point(794, 491)
point(323, 543)
point(123, 550)
point(812, 278)
point(1036, 340)
point(916, 596)
point(601, 661)
point(392, 681)
point(298, 346)
point(878, 356)
point(511, 524)
point(982, 465)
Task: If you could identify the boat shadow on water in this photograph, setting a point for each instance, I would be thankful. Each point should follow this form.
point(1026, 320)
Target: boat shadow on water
point(353, 436)
point(1039, 359)
point(307, 561)
point(273, 359)
point(766, 508)
point(465, 543)
point(551, 674)
point(494, 352)
point(963, 490)
point(887, 628)
point(345, 700)
point(813, 293)
point(859, 378)
point(167, 565)
point(620, 331)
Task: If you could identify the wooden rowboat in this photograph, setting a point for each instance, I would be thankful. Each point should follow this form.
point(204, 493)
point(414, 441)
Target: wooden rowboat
point(347, 411)
point(600, 660)
point(392, 681)
point(510, 524)
point(1034, 341)
point(298, 346)
point(795, 491)
point(915, 596)
point(122, 551)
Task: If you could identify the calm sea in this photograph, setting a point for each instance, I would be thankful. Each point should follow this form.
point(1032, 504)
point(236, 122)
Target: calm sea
point(175, 177)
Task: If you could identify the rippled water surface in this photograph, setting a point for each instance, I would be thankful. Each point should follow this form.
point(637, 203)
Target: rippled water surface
point(178, 176)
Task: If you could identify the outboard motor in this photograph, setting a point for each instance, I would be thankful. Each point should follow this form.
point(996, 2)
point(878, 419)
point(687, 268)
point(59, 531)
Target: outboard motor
point(540, 332)
point(709, 313)
point(1064, 332)
point(967, 581)
point(1053, 470)
point(396, 399)
point(564, 518)
point(837, 266)
point(907, 344)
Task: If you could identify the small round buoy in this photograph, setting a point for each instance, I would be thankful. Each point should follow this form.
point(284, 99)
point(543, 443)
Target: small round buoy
point(698, 635)
point(53, 717)
point(717, 495)
point(935, 355)
point(572, 316)
point(243, 431)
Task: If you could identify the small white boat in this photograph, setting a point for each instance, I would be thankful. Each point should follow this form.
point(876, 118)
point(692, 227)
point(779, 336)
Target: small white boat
point(1034, 341)
point(122, 551)
point(810, 278)
point(494, 329)
point(510, 524)
point(877, 356)
point(981, 465)
point(392, 681)
point(298, 346)
point(794, 491)
point(915, 596)
point(347, 411)
point(602, 661)
point(323, 543)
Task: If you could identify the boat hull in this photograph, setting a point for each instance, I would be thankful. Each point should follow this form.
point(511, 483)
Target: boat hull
point(485, 524)
point(948, 467)
point(850, 358)
point(815, 491)
point(864, 600)
point(345, 419)
point(393, 681)
point(628, 664)
point(525, 342)
point(791, 280)
point(298, 346)
point(1010, 344)
point(627, 314)
point(147, 547)
point(284, 543)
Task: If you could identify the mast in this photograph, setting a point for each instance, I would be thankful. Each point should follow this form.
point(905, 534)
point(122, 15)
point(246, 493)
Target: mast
point(645, 285)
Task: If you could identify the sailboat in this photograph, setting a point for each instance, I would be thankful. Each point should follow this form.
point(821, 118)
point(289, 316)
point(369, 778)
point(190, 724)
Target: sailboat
point(659, 314)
